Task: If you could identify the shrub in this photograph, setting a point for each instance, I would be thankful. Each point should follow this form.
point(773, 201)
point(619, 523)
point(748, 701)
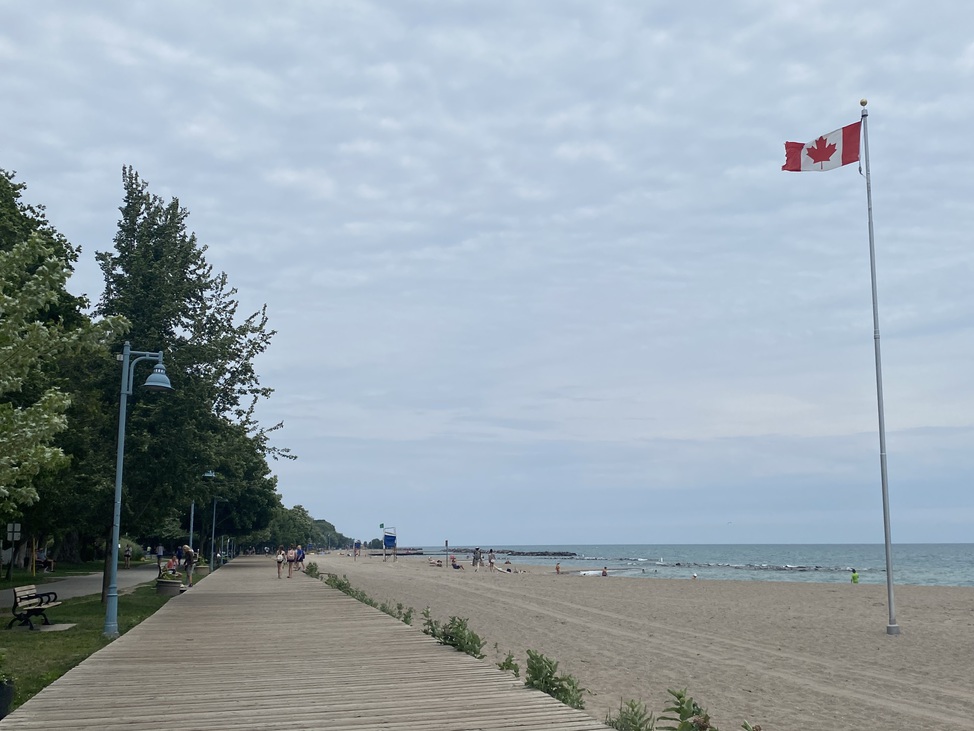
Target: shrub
point(454, 633)
point(345, 586)
point(689, 715)
point(430, 626)
point(312, 570)
point(509, 664)
point(541, 674)
point(633, 716)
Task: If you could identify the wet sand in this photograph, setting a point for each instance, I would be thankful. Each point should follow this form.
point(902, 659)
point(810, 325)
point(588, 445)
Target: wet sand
point(785, 655)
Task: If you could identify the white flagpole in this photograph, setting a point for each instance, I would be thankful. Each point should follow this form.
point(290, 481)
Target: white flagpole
point(892, 628)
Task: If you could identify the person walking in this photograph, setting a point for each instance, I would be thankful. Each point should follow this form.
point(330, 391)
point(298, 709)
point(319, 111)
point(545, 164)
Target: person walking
point(189, 560)
point(160, 552)
point(477, 559)
point(292, 558)
point(128, 557)
point(281, 558)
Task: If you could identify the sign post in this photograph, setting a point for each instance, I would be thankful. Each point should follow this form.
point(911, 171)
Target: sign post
point(13, 535)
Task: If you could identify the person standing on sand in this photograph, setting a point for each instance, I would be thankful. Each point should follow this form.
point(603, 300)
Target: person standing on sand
point(490, 559)
point(855, 576)
point(477, 560)
point(558, 567)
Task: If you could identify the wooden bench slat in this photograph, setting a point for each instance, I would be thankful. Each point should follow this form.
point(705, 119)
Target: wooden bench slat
point(28, 602)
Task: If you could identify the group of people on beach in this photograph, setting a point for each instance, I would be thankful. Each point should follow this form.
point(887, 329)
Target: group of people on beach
point(293, 558)
point(478, 559)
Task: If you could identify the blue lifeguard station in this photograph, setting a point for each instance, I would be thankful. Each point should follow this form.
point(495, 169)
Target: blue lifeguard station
point(389, 542)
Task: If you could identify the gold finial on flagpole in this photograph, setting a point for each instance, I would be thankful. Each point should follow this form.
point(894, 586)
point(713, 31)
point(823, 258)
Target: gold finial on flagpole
point(863, 102)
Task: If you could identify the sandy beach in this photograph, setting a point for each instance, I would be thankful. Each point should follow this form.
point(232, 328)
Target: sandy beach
point(814, 657)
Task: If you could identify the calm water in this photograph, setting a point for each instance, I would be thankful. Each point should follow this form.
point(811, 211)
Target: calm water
point(943, 564)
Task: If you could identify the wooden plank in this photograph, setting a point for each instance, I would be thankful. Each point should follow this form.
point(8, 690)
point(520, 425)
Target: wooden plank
point(245, 650)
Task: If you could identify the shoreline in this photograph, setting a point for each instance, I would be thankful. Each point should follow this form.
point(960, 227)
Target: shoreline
point(786, 655)
point(913, 564)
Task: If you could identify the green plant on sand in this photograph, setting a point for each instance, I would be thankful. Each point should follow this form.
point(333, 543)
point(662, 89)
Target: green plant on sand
point(689, 716)
point(542, 674)
point(508, 664)
point(632, 716)
point(454, 633)
point(405, 615)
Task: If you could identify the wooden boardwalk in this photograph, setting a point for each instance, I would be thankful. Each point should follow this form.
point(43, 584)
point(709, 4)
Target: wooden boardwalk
point(245, 650)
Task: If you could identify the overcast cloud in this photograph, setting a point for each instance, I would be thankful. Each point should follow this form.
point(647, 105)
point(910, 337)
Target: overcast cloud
point(536, 273)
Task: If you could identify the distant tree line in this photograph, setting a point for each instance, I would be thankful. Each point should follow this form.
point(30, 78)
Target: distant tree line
point(60, 381)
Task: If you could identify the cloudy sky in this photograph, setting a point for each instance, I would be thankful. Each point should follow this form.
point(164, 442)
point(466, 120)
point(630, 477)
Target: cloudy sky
point(536, 273)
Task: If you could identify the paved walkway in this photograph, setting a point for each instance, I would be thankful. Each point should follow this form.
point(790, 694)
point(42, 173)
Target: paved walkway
point(245, 650)
point(85, 584)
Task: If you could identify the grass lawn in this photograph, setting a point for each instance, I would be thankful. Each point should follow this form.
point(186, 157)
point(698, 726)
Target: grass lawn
point(36, 659)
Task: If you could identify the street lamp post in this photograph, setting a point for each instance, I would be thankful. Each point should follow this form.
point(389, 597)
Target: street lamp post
point(157, 381)
point(192, 518)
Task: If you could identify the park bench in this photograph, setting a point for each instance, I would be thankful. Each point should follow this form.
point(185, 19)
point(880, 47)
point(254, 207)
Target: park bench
point(28, 602)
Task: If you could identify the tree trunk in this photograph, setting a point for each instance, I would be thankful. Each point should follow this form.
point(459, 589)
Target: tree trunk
point(21, 554)
point(69, 549)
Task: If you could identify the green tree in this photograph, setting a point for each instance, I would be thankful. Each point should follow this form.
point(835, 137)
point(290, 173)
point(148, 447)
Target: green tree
point(328, 536)
point(291, 525)
point(158, 278)
point(41, 327)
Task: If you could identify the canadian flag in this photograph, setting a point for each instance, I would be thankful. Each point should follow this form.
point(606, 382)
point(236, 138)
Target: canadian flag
point(829, 151)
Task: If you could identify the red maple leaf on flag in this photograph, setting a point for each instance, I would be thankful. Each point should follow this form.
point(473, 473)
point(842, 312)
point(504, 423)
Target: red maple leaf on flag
point(820, 152)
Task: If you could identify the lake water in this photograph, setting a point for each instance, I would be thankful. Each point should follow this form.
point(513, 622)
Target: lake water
point(940, 564)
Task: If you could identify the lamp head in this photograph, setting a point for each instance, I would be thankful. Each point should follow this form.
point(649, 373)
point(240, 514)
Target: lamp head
point(158, 380)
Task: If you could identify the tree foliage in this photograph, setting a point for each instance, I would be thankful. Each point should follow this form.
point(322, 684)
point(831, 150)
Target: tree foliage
point(59, 387)
point(292, 525)
point(329, 536)
point(158, 278)
point(40, 326)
